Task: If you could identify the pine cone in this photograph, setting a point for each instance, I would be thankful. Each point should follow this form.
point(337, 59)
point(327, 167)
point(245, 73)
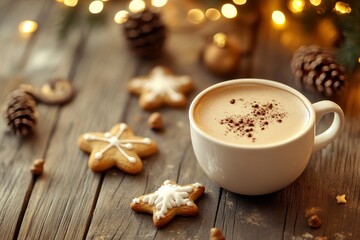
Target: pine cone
point(145, 33)
point(20, 113)
point(318, 70)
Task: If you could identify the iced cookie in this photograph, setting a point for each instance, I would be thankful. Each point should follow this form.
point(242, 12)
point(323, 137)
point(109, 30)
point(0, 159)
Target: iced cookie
point(160, 87)
point(119, 147)
point(168, 201)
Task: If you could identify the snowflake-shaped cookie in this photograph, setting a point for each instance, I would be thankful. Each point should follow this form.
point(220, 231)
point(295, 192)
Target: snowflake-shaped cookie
point(119, 147)
point(168, 201)
point(160, 87)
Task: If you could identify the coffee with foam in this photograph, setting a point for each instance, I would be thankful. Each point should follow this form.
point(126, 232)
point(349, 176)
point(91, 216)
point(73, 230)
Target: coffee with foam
point(251, 114)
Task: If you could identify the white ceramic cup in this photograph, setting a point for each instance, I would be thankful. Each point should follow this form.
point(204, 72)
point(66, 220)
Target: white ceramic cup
point(257, 169)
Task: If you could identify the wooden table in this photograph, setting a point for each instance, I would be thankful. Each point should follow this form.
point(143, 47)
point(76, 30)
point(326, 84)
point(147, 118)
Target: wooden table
point(69, 201)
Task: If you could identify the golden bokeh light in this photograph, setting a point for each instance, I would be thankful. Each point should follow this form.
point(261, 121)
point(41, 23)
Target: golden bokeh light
point(315, 2)
point(59, 1)
point(296, 6)
point(195, 16)
point(96, 6)
point(239, 2)
point(27, 27)
point(70, 3)
point(121, 16)
point(159, 3)
point(359, 59)
point(278, 18)
point(228, 10)
point(213, 14)
point(220, 39)
point(137, 6)
point(342, 8)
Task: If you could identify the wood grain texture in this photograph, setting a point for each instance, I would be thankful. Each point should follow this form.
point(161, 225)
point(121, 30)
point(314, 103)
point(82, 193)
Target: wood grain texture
point(175, 161)
point(331, 172)
point(17, 153)
point(69, 201)
point(65, 200)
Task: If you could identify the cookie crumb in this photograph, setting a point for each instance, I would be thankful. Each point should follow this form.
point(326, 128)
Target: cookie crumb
point(341, 199)
point(216, 234)
point(314, 221)
point(38, 167)
point(232, 101)
point(312, 211)
point(155, 121)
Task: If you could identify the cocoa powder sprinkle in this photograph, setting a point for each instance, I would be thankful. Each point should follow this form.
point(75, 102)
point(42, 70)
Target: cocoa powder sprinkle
point(261, 116)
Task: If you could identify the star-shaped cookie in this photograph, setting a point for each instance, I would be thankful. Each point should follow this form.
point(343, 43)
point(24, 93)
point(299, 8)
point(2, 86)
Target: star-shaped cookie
point(119, 147)
point(160, 87)
point(168, 201)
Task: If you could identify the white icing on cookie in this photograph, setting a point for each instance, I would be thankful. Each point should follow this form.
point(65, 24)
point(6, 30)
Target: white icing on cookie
point(168, 196)
point(161, 84)
point(116, 142)
point(197, 185)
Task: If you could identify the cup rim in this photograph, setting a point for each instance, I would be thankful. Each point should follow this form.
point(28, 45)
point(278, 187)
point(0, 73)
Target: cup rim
point(260, 81)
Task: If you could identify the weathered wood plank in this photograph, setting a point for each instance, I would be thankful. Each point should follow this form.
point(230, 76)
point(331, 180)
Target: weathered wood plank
point(71, 202)
point(115, 219)
point(175, 161)
point(16, 153)
point(5, 8)
point(332, 171)
point(63, 199)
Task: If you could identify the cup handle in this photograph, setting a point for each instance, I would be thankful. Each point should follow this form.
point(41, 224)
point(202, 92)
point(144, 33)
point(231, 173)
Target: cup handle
point(324, 138)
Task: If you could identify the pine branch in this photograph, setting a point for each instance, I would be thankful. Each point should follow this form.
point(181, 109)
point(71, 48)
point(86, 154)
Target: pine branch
point(349, 51)
point(79, 17)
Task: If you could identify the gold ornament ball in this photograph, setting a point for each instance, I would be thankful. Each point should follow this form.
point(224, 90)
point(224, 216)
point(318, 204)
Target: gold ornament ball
point(221, 55)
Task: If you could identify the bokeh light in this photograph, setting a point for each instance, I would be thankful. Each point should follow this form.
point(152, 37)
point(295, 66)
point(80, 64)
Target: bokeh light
point(278, 18)
point(220, 39)
point(239, 2)
point(342, 8)
point(296, 6)
point(315, 2)
point(228, 10)
point(213, 14)
point(70, 3)
point(28, 27)
point(195, 16)
point(159, 3)
point(96, 6)
point(121, 16)
point(137, 6)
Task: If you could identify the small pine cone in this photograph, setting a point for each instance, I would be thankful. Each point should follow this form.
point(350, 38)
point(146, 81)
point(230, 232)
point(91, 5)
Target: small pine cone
point(20, 113)
point(145, 33)
point(318, 70)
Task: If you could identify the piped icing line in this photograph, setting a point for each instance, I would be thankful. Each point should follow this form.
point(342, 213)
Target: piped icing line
point(169, 196)
point(119, 144)
point(197, 185)
point(162, 84)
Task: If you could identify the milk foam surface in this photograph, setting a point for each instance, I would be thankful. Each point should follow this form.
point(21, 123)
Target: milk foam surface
point(251, 114)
